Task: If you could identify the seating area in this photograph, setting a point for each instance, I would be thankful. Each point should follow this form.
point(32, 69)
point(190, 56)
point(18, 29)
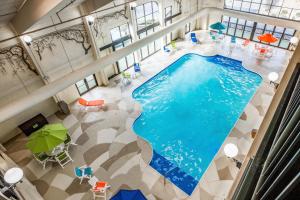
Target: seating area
point(110, 100)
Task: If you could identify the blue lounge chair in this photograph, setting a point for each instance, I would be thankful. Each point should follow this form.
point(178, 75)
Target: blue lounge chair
point(233, 39)
point(137, 67)
point(194, 38)
point(167, 50)
point(83, 172)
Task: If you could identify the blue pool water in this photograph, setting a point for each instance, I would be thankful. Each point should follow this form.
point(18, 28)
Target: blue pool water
point(189, 109)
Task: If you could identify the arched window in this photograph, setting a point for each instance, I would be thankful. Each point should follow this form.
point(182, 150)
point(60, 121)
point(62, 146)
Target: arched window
point(147, 20)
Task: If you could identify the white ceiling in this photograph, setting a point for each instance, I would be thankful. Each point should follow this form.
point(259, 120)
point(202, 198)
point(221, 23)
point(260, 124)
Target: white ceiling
point(9, 8)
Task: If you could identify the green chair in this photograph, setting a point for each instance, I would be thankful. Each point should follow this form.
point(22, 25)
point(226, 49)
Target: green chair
point(41, 158)
point(63, 158)
point(173, 44)
point(126, 78)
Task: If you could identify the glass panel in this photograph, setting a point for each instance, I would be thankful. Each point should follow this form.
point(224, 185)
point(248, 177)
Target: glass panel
point(284, 43)
point(285, 12)
point(127, 42)
point(148, 8)
point(245, 6)
point(246, 35)
point(295, 15)
point(279, 29)
point(115, 34)
point(92, 83)
point(289, 31)
point(274, 11)
point(118, 46)
point(141, 22)
point(130, 60)
point(239, 31)
point(249, 23)
point(149, 20)
point(144, 51)
point(124, 30)
point(241, 21)
point(264, 9)
point(82, 89)
point(233, 19)
point(80, 83)
point(277, 2)
point(142, 35)
point(228, 3)
point(269, 29)
point(157, 44)
point(237, 5)
point(154, 6)
point(89, 78)
point(155, 17)
point(254, 7)
point(168, 12)
point(122, 64)
point(151, 48)
point(139, 10)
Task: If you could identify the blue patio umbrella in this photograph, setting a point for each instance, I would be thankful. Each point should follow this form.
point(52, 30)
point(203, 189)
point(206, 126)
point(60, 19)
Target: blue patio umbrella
point(129, 195)
point(218, 26)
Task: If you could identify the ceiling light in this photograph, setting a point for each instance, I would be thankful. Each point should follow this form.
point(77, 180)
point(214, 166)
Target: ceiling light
point(27, 39)
point(273, 76)
point(231, 150)
point(90, 19)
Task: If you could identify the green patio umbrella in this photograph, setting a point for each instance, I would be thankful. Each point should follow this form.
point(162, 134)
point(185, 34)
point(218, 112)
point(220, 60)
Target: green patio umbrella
point(46, 138)
point(218, 26)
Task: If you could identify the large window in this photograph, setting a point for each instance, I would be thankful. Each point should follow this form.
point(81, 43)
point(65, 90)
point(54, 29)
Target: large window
point(245, 29)
point(275, 8)
point(85, 85)
point(147, 15)
point(168, 21)
point(147, 19)
point(120, 36)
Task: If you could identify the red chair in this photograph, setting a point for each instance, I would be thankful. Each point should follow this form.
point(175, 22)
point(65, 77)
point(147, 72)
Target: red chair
point(98, 103)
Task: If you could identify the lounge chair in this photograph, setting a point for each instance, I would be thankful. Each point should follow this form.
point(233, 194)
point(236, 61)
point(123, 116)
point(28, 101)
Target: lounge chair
point(99, 188)
point(173, 45)
point(98, 103)
point(126, 78)
point(194, 38)
point(233, 40)
point(42, 158)
point(167, 50)
point(63, 158)
point(83, 172)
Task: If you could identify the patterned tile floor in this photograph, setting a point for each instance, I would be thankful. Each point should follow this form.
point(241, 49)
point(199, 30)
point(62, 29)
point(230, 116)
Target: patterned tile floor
point(107, 143)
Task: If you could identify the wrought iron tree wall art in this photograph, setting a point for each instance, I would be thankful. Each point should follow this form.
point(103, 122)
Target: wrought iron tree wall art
point(75, 33)
point(18, 55)
point(179, 3)
point(99, 21)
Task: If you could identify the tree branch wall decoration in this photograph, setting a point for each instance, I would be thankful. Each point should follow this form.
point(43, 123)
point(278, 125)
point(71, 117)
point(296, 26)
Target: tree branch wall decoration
point(76, 33)
point(179, 3)
point(17, 54)
point(99, 21)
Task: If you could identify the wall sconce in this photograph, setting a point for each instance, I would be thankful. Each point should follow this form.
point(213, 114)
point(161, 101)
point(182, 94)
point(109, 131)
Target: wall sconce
point(294, 41)
point(273, 76)
point(27, 39)
point(231, 151)
point(132, 5)
point(90, 19)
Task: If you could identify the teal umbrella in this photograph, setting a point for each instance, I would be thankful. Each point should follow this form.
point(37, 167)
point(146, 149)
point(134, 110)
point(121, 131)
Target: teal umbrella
point(218, 26)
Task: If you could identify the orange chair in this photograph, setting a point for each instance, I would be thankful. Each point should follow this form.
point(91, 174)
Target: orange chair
point(83, 102)
point(99, 189)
